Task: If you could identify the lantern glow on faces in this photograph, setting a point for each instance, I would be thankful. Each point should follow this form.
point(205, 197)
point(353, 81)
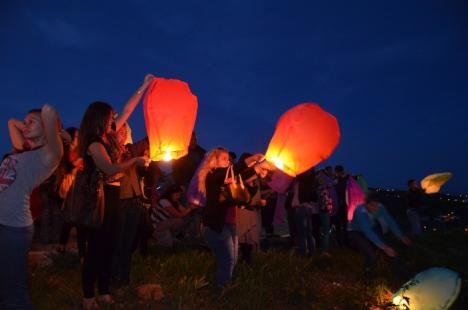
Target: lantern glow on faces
point(170, 111)
point(304, 136)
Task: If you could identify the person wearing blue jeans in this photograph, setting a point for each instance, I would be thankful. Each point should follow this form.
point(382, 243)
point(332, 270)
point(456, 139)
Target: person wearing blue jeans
point(305, 239)
point(38, 151)
point(325, 224)
point(224, 246)
point(219, 215)
point(306, 216)
point(13, 266)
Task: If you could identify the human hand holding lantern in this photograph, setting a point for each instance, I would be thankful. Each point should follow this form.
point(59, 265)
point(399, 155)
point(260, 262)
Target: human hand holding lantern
point(263, 167)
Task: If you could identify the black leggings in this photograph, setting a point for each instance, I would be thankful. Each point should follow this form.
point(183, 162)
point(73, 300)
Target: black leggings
point(98, 255)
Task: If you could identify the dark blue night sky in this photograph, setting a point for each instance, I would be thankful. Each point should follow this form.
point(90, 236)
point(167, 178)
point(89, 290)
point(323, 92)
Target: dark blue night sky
point(394, 73)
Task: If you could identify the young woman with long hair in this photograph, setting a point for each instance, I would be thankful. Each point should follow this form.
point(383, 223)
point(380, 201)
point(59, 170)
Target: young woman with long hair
point(219, 215)
point(38, 151)
point(100, 150)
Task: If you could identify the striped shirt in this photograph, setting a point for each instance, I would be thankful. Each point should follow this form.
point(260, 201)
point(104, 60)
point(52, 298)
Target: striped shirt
point(159, 213)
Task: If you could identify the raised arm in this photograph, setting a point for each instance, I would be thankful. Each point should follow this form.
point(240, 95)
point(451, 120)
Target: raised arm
point(133, 102)
point(15, 128)
point(53, 148)
point(103, 162)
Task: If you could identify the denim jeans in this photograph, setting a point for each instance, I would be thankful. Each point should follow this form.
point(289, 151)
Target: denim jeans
point(326, 225)
point(224, 247)
point(305, 238)
point(414, 220)
point(15, 243)
point(340, 220)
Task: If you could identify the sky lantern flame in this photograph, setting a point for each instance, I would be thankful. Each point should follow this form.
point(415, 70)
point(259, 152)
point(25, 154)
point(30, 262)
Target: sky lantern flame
point(167, 156)
point(278, 163)
point(170, 111)
point(304, 136)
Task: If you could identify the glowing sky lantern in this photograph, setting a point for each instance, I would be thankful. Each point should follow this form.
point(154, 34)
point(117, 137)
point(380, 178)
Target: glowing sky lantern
point(432, 183)
point(170, 111)
point(304, 136)
point(434, 288)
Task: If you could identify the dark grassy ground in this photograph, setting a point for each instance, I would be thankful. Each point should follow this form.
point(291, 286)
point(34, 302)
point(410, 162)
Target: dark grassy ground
point(277, 279)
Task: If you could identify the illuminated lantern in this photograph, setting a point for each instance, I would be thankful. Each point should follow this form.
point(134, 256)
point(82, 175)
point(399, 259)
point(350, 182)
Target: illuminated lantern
point(355, 196)
point(434, 288)
point(170, 111)
point(304, 136)
point(432, 183)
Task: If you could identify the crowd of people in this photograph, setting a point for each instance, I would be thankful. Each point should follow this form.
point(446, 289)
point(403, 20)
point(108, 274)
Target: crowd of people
point(123, 206)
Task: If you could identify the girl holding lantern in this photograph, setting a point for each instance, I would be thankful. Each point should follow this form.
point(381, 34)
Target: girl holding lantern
point(219, 215)
point(99, 149)
point(39, 150)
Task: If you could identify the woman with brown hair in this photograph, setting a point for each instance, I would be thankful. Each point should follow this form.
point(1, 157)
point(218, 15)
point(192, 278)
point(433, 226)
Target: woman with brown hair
point(100, 150)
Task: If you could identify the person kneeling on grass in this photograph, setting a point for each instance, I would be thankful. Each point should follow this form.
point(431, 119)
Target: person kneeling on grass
point(169, 216)
point(365, 236)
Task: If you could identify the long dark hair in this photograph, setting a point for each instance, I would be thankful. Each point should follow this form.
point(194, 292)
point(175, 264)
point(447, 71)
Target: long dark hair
point(93, 125)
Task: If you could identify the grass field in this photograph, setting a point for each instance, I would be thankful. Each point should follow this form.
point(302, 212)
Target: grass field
point(277, 279)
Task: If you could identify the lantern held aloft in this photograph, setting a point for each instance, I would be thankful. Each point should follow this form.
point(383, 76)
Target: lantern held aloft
point(170, 111)
point(304, 136)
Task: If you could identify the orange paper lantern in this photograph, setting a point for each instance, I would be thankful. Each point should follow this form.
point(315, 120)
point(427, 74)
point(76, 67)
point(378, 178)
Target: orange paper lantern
point(170, 111)
point(304, 136)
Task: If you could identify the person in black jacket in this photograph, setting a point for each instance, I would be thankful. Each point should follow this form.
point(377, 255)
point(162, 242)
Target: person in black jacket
point(184, 168)
point(415, 197)
point(219, 215)
point(307, 216)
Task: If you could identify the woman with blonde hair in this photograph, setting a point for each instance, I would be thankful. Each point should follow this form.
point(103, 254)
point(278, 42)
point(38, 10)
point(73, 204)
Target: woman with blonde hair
point(219, 215)
point(38, 149)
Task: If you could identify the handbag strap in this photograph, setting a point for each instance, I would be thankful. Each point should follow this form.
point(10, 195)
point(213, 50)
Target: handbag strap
point(230, 174)
point(241, 183)
point(228, 170)
point(233, 175)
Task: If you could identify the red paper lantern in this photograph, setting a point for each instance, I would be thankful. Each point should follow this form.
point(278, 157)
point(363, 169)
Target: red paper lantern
point(170, 112)
point(304, 136)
